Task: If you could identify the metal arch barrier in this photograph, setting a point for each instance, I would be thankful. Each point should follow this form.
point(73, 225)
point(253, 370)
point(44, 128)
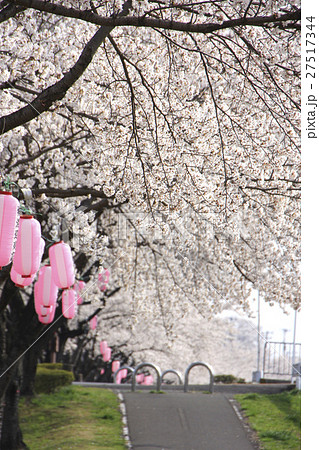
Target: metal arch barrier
point(146, 364)
point(211, 374)
point(179, 375)
point(119, 370)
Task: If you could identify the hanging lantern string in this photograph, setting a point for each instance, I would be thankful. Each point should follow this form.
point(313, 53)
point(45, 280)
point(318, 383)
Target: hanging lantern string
point(28, 211)
point(49, 242)
point(25, 210)
point(8, 185)
point(47, 239)
point(26, 192)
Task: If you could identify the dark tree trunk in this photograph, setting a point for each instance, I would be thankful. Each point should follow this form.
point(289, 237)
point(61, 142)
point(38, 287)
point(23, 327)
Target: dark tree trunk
point(12, 347)
point(30, 361)
point(11, 436)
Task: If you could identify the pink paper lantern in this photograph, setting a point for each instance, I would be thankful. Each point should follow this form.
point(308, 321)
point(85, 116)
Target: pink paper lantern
point(48, 318)
point(45, 319)
point(78, 287)
point(26, 259)
point(115, 366)
point(47, 289)
point(20, 281)
point(107, 355)
point(123, 373)
point(62, 265)
point(81, 285)
point(103, 347)
point(37, 302)
point(8, 218)
point(93, 323)
point(139, 378)
point(69, 305)
point(45, 313)
point(103, 279)
point(46, 310)
point(40, 308)
point(104, 276)
point(102, 286)
point(40, 254)
point(118, 378)
point(148, 380)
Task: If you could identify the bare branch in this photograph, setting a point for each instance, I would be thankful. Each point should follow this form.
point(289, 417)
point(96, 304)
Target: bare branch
point(58, 90)
point(240, 270)
point(143, 21)
point(10, 11)
point(72, 192)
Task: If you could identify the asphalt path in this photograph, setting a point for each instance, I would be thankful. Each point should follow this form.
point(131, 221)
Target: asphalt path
point(184, 421)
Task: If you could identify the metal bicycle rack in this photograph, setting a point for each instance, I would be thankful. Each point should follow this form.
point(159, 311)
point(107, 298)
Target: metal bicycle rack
point(161, 375)
point(146, 364)
point(129, 368)
point(208, 367)
point(178, 374)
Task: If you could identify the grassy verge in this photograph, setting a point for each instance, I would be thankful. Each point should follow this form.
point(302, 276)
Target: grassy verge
point(73, 417)
point(275, 418)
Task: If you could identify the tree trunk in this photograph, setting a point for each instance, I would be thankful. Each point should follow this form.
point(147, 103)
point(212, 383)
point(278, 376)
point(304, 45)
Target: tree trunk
point(11, 436)
point(11, 361)
point(30, 361)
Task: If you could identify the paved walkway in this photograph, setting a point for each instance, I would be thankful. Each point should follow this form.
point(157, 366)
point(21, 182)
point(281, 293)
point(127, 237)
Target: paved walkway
point(179, 421)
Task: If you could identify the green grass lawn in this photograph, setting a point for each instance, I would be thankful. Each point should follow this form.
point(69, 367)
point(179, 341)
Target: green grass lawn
point(74, 417)
point(276, 418)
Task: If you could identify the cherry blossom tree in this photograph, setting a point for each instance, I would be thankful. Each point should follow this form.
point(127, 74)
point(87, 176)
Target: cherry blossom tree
point(163, 138)
point(199, 118)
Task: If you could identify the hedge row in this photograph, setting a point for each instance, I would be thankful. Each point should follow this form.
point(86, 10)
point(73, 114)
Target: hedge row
point(51, 366)
point(227, 379)
point(49, 377)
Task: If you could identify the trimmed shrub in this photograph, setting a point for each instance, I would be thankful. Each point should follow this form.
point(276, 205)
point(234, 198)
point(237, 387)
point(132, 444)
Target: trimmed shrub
point(241, 381)
point(48, 380)
point(226, 379)
point(52, 366)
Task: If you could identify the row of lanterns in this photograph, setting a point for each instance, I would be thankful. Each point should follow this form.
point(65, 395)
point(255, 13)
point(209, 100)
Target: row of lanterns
point(105, 351)
point(106, 354)
point(27, 256)
point(26, 262)
point(102, 281)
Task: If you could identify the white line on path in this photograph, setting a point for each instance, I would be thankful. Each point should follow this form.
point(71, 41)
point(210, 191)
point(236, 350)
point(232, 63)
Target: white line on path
point(239, 415)
point(126, 433)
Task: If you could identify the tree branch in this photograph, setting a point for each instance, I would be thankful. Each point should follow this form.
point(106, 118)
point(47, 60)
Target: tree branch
point(46, 150)
point(58, 90)
point(72, 192)
point(143, 21)
point(241, 271)
point(9, 11)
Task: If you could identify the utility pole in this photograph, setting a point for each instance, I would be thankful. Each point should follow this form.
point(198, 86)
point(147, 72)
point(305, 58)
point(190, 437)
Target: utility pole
point(257, 373)
point(293, 347)
point(284, 338)
point(258, 331)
